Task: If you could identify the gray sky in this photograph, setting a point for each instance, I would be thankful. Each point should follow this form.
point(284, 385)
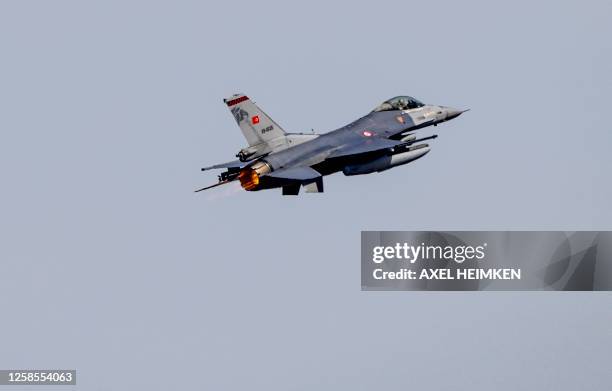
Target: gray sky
point(113, 266)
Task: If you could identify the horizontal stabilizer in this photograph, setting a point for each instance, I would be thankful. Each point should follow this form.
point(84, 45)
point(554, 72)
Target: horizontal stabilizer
point(232, 164)
point(211, 186)
point(296, 173)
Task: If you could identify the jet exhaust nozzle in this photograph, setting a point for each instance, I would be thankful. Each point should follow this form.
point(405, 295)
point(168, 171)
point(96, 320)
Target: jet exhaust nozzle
point(249, 177)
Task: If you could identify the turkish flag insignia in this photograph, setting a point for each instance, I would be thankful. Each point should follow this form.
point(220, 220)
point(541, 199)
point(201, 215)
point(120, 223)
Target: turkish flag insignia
point(255, 119)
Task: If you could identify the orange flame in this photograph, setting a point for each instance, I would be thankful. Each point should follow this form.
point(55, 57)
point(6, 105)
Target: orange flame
point(249, 179)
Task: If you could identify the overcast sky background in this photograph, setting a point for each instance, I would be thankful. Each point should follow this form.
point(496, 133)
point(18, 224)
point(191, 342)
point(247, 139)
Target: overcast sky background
point(113, 266)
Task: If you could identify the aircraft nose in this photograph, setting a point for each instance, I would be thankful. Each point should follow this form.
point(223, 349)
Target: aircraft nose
point(453, 113)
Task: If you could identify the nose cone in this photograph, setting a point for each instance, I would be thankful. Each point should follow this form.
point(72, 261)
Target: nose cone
point(453, 113)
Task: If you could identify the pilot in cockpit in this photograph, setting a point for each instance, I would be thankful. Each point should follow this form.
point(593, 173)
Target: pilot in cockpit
point(399, 103)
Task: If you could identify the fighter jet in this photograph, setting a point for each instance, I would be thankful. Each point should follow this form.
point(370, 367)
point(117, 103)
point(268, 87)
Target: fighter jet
point(382, 139)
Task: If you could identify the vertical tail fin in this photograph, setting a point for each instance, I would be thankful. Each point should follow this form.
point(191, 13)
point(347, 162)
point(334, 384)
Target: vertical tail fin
point(256, 126)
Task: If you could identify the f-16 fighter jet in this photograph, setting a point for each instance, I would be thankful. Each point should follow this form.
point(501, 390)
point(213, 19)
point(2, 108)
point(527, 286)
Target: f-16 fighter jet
point(380, 140)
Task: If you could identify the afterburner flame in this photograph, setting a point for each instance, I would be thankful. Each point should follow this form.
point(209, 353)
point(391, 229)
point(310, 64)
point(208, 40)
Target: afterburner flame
point(249, 177)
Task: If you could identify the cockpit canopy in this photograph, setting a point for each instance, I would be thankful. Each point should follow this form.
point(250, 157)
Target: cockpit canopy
point(399, 103)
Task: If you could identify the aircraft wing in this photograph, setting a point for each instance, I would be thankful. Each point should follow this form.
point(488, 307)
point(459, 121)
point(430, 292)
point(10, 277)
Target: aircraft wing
point(303, 173)
point(371, 145)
